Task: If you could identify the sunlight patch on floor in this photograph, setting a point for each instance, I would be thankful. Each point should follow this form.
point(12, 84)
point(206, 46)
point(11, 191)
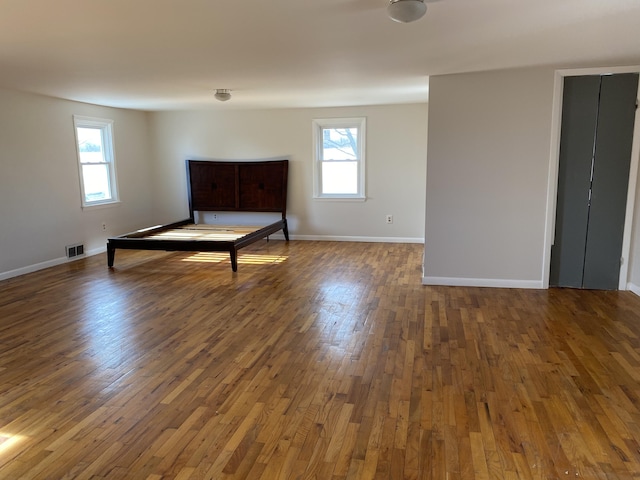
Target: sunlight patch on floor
point(246, 259)
point(7, 441)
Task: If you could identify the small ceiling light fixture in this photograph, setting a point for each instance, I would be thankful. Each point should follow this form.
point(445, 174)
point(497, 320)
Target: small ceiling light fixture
point(223, 94)
point(405, 11)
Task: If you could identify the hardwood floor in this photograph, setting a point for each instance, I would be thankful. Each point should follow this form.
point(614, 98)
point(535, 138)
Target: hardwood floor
point(316, 360)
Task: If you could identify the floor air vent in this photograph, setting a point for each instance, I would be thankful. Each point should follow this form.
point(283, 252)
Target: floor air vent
point(74, 250)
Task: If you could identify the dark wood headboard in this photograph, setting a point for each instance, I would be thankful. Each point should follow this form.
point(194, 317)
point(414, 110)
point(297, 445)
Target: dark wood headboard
point(237, 186)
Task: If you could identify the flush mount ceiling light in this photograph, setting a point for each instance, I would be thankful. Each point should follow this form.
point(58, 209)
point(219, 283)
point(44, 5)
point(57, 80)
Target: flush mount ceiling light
point(223, 94)
point(405, 11)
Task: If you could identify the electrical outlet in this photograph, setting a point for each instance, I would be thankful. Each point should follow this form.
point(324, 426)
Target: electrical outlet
point(389, 218)
point(104, 226)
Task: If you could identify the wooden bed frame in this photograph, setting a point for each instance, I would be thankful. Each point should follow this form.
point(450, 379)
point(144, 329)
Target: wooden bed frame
point(218, 186)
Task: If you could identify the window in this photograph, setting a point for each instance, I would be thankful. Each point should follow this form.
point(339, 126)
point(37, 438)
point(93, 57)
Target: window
point(96, 160)
point(339, 158)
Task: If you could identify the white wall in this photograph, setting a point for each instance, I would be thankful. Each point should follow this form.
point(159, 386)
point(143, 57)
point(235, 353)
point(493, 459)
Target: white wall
point(40, 209)
point(489, 143)
point(396, 165)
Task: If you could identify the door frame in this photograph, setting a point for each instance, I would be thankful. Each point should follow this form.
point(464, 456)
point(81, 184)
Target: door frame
point(554, 160)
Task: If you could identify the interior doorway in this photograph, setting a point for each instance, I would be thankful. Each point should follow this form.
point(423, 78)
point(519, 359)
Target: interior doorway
point(596, 138)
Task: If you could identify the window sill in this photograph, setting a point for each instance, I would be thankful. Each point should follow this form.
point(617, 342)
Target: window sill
point(98, 206)
point(341, 199)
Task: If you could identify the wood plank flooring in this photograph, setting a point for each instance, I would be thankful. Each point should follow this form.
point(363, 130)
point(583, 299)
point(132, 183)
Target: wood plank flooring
point(316, 360)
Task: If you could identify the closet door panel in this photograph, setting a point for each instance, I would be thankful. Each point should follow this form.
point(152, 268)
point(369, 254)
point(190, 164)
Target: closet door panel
point(579, 116)
point(614, 136)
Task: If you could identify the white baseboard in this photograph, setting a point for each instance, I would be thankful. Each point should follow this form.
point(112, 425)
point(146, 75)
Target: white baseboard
point(496, 283)
point(338, 238)
point(633, 288)
point(482, 282)
point(49, 263)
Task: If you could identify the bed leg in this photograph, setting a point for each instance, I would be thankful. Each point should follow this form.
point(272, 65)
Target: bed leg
point(285, 230)
point(111, 254)
point(233, 254)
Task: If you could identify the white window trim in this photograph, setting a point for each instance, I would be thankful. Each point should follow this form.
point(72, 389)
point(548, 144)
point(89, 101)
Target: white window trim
point(318, 125)
point(106, 125)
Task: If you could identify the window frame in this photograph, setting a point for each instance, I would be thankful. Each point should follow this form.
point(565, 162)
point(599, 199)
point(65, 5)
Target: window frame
point(106, 131)
point(321, 124)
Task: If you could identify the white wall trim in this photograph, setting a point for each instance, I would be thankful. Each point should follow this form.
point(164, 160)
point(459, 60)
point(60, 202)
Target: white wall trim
point(552, 176)
point(338, 238)
point(33, 268)
point(482, 282)
point(574, 72)
point(633, 288)
point(49, 263)
point(631, 200)
point(556, 124)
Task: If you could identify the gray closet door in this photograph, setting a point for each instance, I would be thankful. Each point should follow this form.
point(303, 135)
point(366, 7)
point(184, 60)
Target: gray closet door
point(579, 116)
point(593, 176)
point(612, 160)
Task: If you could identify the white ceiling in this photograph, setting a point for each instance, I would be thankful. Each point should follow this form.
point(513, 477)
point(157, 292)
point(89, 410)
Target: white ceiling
point(172, 54)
